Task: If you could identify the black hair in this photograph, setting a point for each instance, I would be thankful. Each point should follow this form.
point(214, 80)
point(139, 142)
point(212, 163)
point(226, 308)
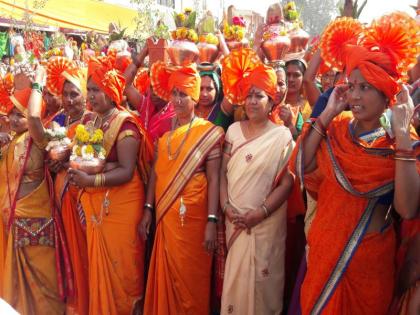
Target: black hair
point(298, 63)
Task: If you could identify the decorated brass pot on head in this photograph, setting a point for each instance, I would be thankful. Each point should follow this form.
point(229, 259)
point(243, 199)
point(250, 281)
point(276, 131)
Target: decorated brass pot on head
point(182, 52)
point(276, 43)
point(233, 44)
point(208, 48)
point(298, 40)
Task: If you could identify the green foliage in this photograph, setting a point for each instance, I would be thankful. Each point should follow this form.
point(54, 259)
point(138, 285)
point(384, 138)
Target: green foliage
point(316, 14)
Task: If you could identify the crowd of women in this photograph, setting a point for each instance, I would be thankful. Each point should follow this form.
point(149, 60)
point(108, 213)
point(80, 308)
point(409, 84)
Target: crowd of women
point(231, 189)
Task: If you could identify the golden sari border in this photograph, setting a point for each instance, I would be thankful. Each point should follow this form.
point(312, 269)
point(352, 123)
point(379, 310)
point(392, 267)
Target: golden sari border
point(187, 169)
point(345, 258)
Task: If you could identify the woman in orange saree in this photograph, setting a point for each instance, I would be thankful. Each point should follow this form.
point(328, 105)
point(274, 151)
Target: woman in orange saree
point(255, 200)
point(113, 204)
point(32, 278)
point(357, 172)
point(184, 187)
point(69, 82)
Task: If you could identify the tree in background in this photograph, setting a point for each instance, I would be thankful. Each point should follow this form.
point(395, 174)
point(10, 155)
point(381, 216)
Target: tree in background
point(147, 17)
point(316, 14)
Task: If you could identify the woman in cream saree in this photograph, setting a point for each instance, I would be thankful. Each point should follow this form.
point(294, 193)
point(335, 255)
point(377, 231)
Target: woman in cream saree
point(255, 184)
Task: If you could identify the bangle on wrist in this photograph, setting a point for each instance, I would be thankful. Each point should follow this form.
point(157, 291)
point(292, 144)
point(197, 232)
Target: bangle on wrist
point(406, 159)
point(318, 130)
point(148, 206)
point(266, 212)
point(37, 87)
point(212, 218)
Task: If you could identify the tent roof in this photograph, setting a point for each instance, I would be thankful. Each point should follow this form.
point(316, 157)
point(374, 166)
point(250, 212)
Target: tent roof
point(83, 15)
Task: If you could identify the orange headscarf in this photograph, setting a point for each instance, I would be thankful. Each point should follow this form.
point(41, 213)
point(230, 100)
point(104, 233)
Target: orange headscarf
point(142, 80)
point(103, 72)
point(77, 77)
point(263, 77)
point(165, 78)
point(20, 100)
point(383, 52)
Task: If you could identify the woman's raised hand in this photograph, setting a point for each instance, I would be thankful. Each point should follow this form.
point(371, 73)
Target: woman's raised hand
point(337, 102)
point(4, 138)
point(402, 112)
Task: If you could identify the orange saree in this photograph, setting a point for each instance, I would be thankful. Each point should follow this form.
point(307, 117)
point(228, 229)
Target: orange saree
point(32, 279)
point(180, 268)
point(348, 271)
point(68, 203)
point(115, 250)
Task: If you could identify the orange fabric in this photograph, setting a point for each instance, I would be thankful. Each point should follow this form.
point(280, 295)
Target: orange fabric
point(236, 67)
point(367, 284)
point(20, 99)
point(142, 80)
point(103, 72)
point(383, 52)
point(55, 67)
point(115, 250)
point(164, 79)
point(263, 77)
point(337, 34)
point(76, 239)
point(29, 272)
point(374, 67)
point(6, 104)
point(180, 268)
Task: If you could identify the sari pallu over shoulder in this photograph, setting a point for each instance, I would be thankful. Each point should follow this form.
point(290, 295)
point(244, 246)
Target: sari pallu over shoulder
point(14, 163)
point(115, 250)
point(347, 184)
point(254, 272)
point(180, 170)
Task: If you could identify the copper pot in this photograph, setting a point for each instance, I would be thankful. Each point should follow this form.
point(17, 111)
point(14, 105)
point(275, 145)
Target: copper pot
point(207, 52)
point(59, 153)
point(299, 41)
point(91, 167)
point(276, 47)
point(233, 44)
point(182, 52)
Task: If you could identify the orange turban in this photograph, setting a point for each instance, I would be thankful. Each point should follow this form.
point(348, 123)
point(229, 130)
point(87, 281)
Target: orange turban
point(55, 68)
point(20, 100)
point(383, 52)
point(262, 77)
point(101, 70)
point(77, 77)
point(375, 68)
point(165, 78)
point(237, 66)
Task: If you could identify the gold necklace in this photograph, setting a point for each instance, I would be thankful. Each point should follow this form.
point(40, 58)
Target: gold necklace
point(105, 117)
point(174, 156)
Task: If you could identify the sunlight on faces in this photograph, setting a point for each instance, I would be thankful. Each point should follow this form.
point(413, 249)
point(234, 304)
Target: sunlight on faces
point(100, 102)
point(207, 91)
point(73, 100)
point(366, 102)
point(18, 121)
point(257, 104)
point(183, 103)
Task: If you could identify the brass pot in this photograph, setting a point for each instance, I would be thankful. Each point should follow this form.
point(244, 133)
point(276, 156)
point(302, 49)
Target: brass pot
point(91, 167)
point(233, 44)
point(207, 52)
point(59, 153)
point(299, 41)
point(182, 52)
point(276, 47)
